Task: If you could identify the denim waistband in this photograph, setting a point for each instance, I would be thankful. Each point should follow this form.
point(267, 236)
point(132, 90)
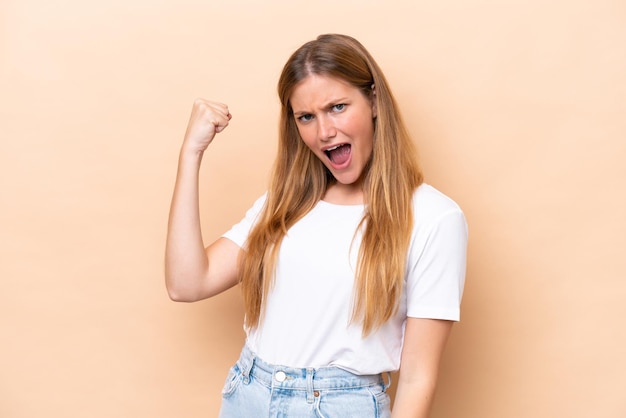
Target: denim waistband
point(304, 379)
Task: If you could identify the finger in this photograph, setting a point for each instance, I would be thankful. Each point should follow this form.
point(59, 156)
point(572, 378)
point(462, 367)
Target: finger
point(221, 123)
point(219, 107)
point(220, 128)
point(222, 111)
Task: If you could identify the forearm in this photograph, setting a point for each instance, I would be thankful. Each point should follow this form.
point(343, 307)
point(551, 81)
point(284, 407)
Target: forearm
point(413, 398)
point(185, 258)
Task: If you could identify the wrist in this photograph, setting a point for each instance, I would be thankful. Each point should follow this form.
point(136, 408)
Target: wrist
point(189, 154)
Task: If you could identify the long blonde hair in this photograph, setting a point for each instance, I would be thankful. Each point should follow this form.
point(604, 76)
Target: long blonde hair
point(300, 179)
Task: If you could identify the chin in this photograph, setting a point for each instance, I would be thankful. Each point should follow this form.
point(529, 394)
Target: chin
point(346, 181)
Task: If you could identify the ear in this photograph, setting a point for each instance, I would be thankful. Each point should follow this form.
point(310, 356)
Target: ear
point(373, 99)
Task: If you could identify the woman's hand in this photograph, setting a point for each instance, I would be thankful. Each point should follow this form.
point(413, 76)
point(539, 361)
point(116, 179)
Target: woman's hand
point(207, 119)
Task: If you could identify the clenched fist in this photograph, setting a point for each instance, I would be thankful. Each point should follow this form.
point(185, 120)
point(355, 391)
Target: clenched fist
point(207, 119)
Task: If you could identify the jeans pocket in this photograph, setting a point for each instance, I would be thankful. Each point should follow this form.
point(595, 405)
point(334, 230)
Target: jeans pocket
point(233, 380)
point(382, 401)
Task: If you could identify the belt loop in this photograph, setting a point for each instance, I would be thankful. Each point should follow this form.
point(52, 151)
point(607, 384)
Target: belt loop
point(246, 365)
point(309, 385)
point(388, 383)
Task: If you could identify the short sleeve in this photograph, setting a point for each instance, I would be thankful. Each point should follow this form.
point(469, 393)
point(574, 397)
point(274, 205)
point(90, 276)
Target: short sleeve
point(436, 267)
point(240, 231)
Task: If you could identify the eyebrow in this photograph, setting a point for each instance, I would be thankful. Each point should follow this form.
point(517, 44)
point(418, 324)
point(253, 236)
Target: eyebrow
point(300, 113)
point(328, 105)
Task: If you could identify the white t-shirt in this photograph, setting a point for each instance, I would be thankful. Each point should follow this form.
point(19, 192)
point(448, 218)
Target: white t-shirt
point(308, 311)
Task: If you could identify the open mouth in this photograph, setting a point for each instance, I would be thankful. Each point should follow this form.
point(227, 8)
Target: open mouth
point(339, 154)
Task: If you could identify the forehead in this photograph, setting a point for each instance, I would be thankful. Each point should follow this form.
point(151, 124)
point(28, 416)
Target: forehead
point(319, 90)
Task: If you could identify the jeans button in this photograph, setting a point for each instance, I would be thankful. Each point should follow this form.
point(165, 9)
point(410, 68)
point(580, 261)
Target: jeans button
point(280, 376)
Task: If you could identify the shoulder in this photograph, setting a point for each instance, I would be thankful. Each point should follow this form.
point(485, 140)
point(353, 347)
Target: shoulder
point(260, 201)
point(239, 232)
point(430, 205)
point(256, 208)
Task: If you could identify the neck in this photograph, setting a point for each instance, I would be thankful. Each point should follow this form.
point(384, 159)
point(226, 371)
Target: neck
point(344, 194)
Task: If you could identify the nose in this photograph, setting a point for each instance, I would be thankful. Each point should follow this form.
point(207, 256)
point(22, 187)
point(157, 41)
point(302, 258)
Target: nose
point(326, 128)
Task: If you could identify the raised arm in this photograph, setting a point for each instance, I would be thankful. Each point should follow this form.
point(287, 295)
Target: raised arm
point(193, 272)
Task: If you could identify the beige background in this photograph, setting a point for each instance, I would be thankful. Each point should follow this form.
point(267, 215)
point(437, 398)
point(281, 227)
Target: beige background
point(518, 108)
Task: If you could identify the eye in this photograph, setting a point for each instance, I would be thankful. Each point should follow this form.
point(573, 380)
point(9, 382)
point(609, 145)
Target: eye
point(305, 118)
point(338, 107)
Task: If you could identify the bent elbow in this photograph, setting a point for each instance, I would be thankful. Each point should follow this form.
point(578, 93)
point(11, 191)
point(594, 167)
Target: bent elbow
point(178, 293)
point(178, 297)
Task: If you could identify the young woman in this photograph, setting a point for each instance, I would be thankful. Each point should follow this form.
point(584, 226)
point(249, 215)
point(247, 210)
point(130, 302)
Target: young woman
point(350, 266)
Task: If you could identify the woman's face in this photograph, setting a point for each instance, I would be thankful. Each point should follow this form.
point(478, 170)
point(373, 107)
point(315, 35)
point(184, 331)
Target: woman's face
point(336, 121)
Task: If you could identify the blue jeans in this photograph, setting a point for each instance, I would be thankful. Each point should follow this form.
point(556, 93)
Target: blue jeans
point(255, 389)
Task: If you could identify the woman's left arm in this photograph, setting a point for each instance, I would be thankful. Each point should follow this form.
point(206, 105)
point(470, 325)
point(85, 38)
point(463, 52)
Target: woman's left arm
point(424, 342)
